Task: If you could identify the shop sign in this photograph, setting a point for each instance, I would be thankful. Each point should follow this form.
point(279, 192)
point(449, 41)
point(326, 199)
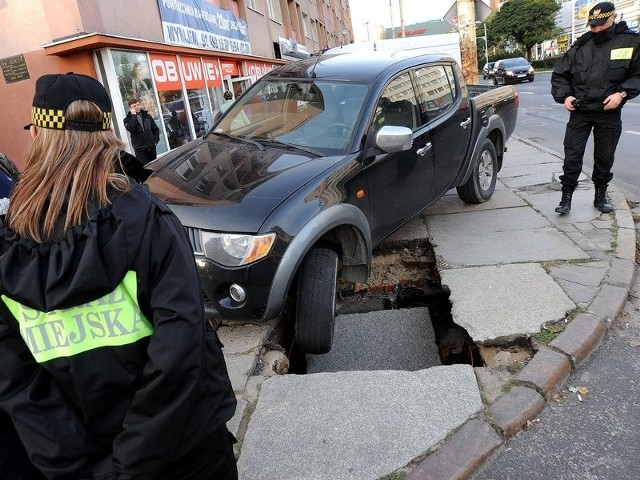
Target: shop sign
point(256, 69)
point(168, 71)
point(229, 68)
point(193, 23)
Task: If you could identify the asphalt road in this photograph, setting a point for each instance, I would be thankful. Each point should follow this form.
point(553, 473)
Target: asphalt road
point(542, 120)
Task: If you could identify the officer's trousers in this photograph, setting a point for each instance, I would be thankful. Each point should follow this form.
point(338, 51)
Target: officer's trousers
point(607, 127)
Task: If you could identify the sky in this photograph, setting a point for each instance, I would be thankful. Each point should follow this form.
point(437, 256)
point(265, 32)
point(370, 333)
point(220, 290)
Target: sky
point(378, 12)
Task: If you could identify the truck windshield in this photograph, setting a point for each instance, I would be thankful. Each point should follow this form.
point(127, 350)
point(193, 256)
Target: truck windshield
point(316, 115)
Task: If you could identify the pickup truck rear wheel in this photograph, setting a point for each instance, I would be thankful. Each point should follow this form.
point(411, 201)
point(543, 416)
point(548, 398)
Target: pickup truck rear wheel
point(316, 302)
point(482, 181)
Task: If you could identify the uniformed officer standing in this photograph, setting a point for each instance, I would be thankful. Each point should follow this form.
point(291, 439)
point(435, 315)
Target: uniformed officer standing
point(594, 79)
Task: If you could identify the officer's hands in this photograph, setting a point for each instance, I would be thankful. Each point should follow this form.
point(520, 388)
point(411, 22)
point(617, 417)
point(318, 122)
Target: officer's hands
point(613, 101)
point(568, 103)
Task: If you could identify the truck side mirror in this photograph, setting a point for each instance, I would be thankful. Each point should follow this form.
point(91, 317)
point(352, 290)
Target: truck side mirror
point(391, 139)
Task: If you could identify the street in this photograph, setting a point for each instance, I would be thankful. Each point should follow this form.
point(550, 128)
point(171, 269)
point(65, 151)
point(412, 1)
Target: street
point(543, 121)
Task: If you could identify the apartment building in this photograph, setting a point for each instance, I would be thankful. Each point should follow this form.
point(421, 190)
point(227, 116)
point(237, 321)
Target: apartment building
point(176, 56)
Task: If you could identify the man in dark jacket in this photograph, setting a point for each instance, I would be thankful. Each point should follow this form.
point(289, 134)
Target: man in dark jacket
point(594, 79)
point(145, 134)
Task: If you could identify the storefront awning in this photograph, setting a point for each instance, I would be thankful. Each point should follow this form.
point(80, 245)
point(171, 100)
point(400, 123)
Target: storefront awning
point(95, 41)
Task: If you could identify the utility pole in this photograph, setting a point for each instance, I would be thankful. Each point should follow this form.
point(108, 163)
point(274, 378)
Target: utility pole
point(403, 33)
point(467, 31)
point(393, 35)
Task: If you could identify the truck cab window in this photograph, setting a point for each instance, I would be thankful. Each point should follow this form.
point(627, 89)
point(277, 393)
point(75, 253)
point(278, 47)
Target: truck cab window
point(397, 105)
point(434, 90)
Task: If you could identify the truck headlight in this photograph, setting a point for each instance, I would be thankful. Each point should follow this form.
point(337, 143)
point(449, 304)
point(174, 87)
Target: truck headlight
point(233, 250)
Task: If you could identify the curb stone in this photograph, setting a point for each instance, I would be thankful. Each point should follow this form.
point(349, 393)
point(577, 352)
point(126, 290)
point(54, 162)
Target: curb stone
point(511, 411)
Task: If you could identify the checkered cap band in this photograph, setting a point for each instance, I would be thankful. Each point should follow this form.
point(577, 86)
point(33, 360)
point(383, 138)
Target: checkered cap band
point(47, 118)
point(597, 15)
point(51, 118)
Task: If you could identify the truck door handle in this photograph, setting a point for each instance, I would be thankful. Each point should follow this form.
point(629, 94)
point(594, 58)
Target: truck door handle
point(423, 151)
point(466, 123)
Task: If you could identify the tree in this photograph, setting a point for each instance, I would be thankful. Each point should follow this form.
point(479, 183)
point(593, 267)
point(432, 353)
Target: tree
point(525, 22)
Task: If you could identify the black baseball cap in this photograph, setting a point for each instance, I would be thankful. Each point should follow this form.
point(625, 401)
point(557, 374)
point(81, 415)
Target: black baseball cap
point(600, 13)
point(54, 93)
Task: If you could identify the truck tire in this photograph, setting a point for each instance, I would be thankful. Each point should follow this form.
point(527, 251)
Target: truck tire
point(482, 182)
point(316, 302)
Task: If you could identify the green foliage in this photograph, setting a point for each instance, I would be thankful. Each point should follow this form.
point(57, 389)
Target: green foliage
point(546, 63)
point(525, 22)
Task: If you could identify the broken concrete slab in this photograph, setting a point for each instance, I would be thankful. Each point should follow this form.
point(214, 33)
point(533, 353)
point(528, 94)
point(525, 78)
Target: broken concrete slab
point(483, 297)
point(354, 425)
point(388, 339)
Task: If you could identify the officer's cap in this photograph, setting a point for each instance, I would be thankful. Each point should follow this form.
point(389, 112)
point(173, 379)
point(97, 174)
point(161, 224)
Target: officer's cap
point(55, 92)
point(600, 13)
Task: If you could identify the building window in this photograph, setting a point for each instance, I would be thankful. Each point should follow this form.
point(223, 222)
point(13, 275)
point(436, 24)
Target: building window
point(306, 25)
point(273, 6)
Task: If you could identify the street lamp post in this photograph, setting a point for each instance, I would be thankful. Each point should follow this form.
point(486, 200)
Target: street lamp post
point(486, 42)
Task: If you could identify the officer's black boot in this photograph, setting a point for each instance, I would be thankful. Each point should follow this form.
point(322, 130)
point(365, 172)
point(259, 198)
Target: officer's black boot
point(600, 200)
point(565, 201)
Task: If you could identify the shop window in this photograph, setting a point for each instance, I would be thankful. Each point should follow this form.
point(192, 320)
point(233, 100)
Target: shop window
point(135, 81)
point(174, 114)
point(200, 111)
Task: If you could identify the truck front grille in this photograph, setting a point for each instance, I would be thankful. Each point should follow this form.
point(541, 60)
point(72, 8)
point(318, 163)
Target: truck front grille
point(196, 240)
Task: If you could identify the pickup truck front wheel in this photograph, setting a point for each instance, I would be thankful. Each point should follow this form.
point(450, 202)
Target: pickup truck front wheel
point(482, 182)
point(316, 302)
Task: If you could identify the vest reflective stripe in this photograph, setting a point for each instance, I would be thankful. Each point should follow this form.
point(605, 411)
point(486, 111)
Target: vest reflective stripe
point(112, 320)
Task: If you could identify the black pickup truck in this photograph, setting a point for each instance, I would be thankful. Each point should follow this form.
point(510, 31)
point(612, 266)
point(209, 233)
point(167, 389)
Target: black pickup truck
point(318, 162)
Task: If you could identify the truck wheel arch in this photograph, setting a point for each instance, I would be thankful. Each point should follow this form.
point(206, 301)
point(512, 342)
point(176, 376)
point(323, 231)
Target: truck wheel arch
point(343, 225)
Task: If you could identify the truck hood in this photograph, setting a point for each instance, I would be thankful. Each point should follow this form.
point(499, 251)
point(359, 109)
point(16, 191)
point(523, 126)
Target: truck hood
point(230, 186)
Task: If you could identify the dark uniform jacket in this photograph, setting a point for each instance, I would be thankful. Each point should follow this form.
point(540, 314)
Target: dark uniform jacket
point(591, 72)
point(108, 366)
point(142, 138)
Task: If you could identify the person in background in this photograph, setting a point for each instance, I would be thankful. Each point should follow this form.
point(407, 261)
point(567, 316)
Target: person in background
point(594, 80)
point(144, 132)
point(109, 369)
point(14, 462)
point(228, 100)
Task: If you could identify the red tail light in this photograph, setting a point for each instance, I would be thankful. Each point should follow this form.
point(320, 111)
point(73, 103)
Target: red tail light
point(517, 98)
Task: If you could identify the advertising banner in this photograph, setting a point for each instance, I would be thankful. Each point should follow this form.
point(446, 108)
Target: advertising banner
point(199, 24)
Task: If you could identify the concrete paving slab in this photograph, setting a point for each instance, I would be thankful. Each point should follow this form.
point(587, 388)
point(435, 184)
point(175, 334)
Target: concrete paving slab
point(452, 203)
point(384, 340)
point(240, 367)
point(481, 222)
point(582, 209)
point(519, 152)
point(243, 338)
point(482, 300)
point(542, 244)
point(353, 425)
point(517, 176)
point(581, 281)
point(414, 229)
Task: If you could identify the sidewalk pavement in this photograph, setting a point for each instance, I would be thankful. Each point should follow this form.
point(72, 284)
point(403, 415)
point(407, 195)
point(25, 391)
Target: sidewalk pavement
point(513, 266)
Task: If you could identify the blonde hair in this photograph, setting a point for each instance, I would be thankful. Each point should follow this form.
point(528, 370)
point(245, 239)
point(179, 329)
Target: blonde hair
point(65, 172)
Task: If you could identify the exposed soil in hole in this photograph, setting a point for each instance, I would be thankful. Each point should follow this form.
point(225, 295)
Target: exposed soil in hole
point(405, 275)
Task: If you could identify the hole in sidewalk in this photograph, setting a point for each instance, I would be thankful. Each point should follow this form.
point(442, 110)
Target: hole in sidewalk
point(404, 275)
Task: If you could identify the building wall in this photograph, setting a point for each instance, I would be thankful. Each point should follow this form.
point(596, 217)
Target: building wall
point(136, 19)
